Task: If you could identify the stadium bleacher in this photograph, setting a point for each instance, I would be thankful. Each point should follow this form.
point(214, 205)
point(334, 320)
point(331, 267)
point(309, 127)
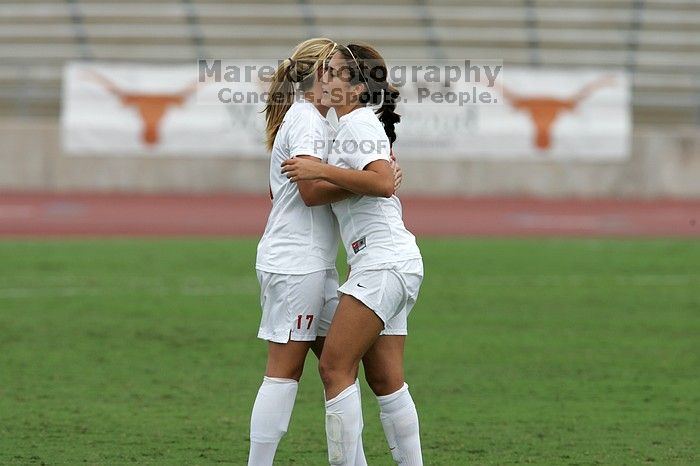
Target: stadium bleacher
point(657, 41)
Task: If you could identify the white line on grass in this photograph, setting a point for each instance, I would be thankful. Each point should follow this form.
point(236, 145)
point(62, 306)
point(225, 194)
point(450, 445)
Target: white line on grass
point(65, 292)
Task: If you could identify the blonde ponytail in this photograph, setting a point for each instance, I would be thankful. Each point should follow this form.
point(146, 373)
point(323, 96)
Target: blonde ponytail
point(302, 65)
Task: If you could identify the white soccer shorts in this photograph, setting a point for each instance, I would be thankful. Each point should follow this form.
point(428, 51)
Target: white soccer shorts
point(390, 291)
point(297, 307)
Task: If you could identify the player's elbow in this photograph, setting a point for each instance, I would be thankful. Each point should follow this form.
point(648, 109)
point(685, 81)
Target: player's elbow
point(312, 202)
point(387, 190)
point(383, 185)
point(309, 196)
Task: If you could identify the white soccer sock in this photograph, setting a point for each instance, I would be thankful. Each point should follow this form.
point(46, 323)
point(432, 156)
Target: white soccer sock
point(400, 421)
point(360, 459)
point(343, 427)
point(270, 418)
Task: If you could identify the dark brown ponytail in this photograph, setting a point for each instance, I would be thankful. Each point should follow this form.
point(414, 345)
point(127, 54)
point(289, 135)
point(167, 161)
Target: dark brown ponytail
point(387, 113)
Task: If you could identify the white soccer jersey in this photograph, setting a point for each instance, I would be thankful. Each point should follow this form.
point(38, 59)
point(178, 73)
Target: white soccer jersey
point(371, 228)
point(297, 239)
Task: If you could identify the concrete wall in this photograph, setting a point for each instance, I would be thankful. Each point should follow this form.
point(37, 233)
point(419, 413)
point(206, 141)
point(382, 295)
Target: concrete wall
point(665, 163)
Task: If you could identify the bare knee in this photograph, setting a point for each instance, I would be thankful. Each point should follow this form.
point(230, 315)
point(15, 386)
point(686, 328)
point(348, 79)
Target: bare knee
point(332, 372)
point(327, 370)
point(286, 372)
point(384, 383)
point(295, 372)
point(286, 361)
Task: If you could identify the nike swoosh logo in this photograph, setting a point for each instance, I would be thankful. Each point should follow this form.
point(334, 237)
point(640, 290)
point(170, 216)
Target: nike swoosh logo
point(361, 286)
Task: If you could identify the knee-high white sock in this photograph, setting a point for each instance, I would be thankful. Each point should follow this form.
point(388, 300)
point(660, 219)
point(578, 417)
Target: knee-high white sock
point(343, 429)
point(400, 421)
point(270, 418)
point(360, 459)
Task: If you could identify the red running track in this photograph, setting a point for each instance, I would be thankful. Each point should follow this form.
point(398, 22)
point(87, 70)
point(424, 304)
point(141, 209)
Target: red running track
point(40, 215)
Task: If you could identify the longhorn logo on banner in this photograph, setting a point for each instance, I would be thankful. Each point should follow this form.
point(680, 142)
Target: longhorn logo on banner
point(151, 107)
point(544, 110)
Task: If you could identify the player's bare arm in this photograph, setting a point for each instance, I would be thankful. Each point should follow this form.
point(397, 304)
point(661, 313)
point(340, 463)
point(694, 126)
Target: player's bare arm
point(376, 179)
point(319, 192)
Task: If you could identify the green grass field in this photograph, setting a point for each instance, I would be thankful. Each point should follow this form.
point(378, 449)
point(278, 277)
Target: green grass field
point(521, 351)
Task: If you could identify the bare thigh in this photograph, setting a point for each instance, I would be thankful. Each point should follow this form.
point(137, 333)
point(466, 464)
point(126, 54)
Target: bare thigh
point(354, 330)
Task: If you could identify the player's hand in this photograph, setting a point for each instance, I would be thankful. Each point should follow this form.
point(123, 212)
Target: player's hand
point(298, 169)
point(398, 174)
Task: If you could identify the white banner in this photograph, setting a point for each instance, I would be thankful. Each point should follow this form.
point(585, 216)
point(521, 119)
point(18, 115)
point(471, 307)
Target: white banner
point(152, 110)
point(541, 115)
point(169, 110)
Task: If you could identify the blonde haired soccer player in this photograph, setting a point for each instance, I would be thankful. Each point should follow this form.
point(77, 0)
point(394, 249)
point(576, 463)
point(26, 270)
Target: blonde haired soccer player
point(296, 255)
point(370, 323)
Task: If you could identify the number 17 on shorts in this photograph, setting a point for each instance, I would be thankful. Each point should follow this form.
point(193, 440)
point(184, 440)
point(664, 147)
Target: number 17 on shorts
point(305, 321)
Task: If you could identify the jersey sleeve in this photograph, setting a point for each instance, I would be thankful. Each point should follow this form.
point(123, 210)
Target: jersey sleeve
point(362, 145)
point(307, 136)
